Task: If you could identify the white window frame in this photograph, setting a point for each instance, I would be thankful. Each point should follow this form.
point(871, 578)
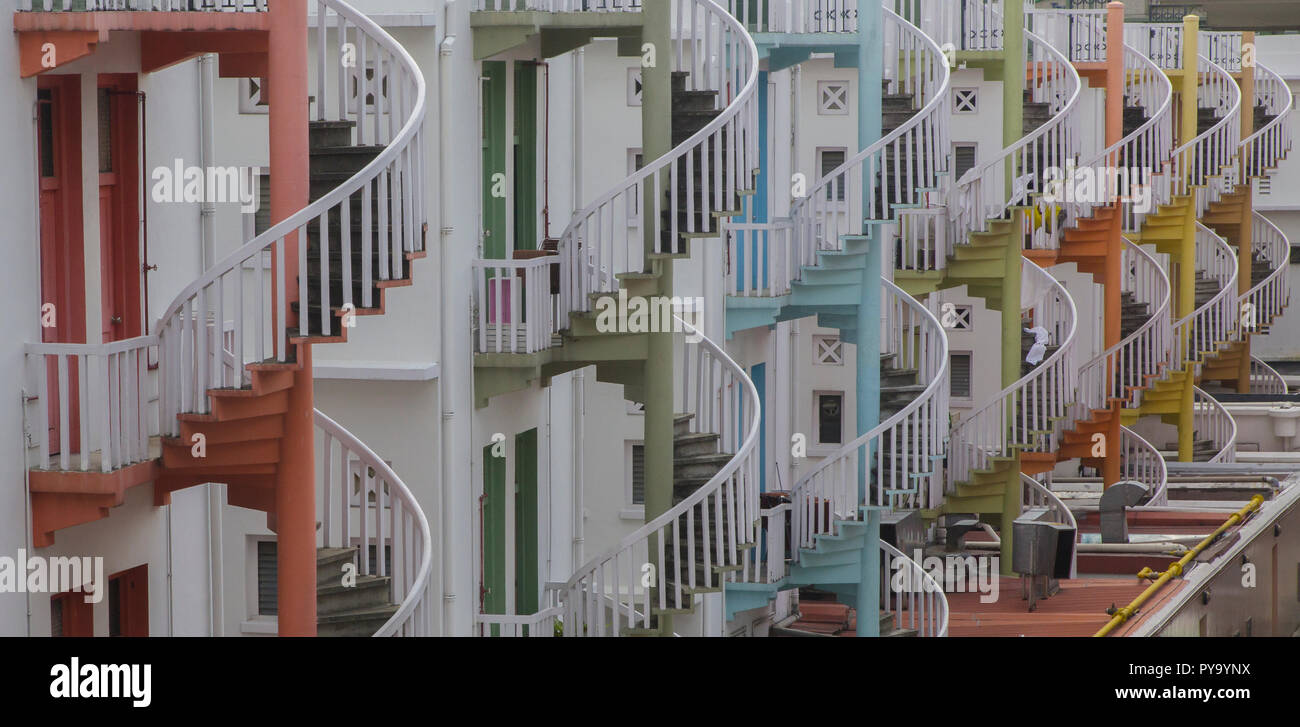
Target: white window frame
point(817, 421)
point(835, 204)
point(630, 510)
point(970, 399)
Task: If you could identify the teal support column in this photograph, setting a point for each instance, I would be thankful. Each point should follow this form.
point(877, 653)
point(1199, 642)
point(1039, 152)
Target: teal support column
point(870, 73)
point(868, 605)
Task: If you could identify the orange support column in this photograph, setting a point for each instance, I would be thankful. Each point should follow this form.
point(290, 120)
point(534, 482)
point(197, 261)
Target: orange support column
point(295, 492)
point(1245, 236)
point(1110, 468)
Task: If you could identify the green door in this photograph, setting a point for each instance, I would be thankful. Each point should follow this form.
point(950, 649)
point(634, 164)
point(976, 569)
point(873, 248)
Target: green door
point(494, 533)
point(494, 159)
point(526, 555)
point(525, 166)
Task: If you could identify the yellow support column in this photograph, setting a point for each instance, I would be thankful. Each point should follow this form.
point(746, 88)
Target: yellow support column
point(1245, 236)
point(1187, 263)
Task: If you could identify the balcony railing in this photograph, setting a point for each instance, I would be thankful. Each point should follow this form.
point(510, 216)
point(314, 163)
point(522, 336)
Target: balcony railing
point(162, 6)
point(515, 305)
point(94, 403)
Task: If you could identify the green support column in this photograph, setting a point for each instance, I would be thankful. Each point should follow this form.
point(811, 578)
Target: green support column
point(1187, 266)
point(656, 140)
point(1013, 116)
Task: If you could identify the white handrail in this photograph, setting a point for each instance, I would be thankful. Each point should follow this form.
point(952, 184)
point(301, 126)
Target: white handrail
point(1264, 149)
point(598, 244)
point(1027, 415)
point(1021, 171)
point(1265, 379)
point(797, 16)
point(1081, 31)
point(1035, 494)
point(761, 258)
point(1125, 369)
point(1266, 300)
point(849, 197)
point(1161, 42)
point(1135, 166)
point(968, 25)
point(1141, 461)
point(602, 597)
point(362, 503)
point(1206, 165)
point(1214, 422)
point(398, 231)
point(906, 449)
point(1201, 333)
point(1222, 47)
point(920, 604)
point(106, 389)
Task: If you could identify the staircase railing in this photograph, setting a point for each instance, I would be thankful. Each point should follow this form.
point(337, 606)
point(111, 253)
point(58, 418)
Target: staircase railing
point(844, 200)
point(911, 595)
point(559, 6)
point(393, 182)
point(542, 624)
point(362, 503)
point(1021, 171)
point(1265, 379)
point(616, 589)
point(1266, 300)
point(1161, 42)
point(1136, 164)
point(1081, 31)
point(1204, 330)
point(1205, 165)
point(797, 16)
point(1222, 47)
point(598, 244)
point(904, 450)
point(1027, 415)
point(1264, 149)
point(1213, 422)
point(968, 25)
point(1035, 494)
point(101, 396)
point(1122, 371)
point(1141, 461)
point(761, 258)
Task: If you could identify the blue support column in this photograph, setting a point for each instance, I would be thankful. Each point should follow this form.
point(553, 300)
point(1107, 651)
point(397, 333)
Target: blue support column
point(870, 72)
point(868, 605)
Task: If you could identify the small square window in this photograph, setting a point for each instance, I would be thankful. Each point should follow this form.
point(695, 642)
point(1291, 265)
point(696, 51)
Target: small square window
point(965, 100)
point(828, 350)
point(830, 418)
point(833, 98)
point(250, 97)
point(955, 317)
point(963, 159)
point(636, 495)
point(959, 368)
point(828, 160)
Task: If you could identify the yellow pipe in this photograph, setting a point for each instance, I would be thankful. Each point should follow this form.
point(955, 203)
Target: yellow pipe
point(1124, 614)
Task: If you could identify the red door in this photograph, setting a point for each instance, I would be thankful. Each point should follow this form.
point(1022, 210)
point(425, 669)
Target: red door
point(128, 602)
point(70, 615)
point(63, 281)
point(119, 225)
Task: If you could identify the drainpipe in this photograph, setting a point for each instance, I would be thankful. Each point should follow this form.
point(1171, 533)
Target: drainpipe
point(579, 377)
point(579, 424)
point(445, 478)
point(27, 492)
point(207, 208)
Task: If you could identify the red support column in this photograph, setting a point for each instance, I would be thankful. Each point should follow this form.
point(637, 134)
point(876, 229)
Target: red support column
point(295, 493)
point(1110, 469)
